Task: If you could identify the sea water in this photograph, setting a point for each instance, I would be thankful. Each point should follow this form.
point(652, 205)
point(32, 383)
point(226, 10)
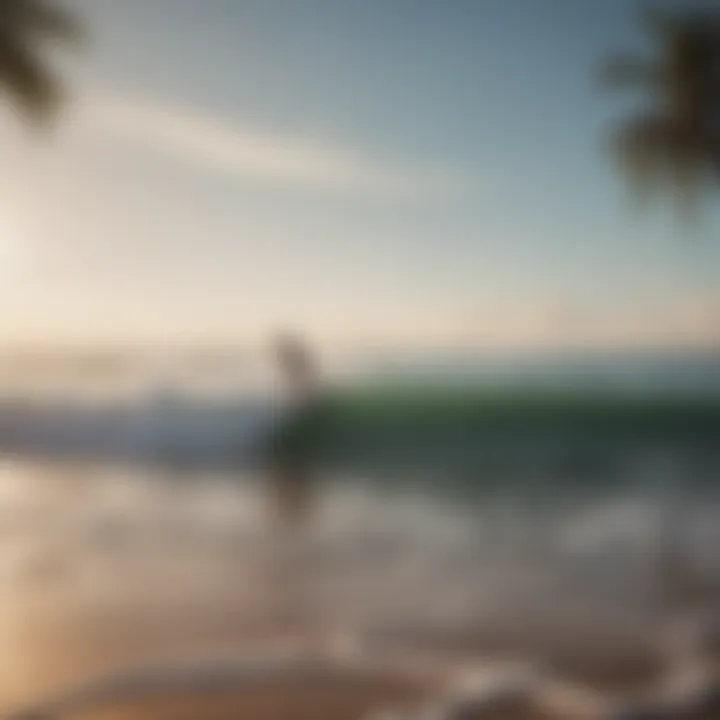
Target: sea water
point(118, 552)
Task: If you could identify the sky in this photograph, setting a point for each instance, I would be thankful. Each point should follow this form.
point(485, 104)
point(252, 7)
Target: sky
point(407, 172)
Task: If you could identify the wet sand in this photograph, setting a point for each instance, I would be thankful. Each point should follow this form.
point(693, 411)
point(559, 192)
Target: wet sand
point(132, 600)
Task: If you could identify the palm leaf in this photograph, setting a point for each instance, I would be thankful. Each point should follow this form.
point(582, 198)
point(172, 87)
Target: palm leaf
point(26, 73)
point(29, 82)
point(637, 147)
point(38, 17)
point(625, 71)
point(675, 141)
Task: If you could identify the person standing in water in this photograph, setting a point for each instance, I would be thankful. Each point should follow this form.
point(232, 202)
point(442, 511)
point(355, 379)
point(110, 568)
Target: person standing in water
point(298, 369)
point(291, 484)
point(291, 472)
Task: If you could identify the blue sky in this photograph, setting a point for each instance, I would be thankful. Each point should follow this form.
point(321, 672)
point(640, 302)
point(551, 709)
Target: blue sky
point(414, 171)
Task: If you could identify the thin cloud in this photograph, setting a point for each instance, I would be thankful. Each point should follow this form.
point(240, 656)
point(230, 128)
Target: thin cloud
point(227, 147)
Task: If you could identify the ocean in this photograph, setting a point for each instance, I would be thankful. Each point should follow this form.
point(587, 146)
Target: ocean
point(559, 510)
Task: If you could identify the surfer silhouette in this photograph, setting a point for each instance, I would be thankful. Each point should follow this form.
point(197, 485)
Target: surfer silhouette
point(291, 472)
point(297, 368)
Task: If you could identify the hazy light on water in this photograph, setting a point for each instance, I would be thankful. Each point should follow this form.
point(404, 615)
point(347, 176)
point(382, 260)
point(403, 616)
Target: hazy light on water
point(104, 569)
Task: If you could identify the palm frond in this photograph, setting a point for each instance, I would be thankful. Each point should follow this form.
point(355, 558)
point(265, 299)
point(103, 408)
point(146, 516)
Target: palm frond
point(652, 153)
point(39, 17)
point(26, 73)
point(32, 86)
point(631, 72)
point(675, 142)
point(687, 171)
point(638, 148)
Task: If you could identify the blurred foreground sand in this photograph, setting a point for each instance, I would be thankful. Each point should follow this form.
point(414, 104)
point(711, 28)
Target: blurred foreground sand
point(172, 584)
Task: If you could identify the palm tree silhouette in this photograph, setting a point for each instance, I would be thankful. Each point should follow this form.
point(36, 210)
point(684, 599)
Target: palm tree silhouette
point(27, 30)
point(674, 142)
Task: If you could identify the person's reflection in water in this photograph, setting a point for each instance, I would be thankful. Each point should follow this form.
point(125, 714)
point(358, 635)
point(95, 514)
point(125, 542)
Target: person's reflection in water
point(291, 490)
point(291, 473)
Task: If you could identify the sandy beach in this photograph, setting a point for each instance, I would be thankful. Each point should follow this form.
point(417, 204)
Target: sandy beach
point(136, 598)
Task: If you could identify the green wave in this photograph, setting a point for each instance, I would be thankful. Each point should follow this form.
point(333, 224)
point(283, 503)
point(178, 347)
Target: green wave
point(441, 420)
